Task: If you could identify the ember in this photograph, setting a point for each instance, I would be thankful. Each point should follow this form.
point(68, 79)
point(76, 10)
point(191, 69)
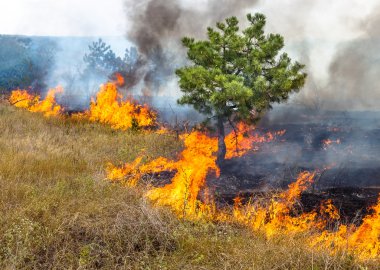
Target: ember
point(327, 143)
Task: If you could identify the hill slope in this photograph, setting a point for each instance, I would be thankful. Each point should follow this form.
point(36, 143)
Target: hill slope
point(59, 212)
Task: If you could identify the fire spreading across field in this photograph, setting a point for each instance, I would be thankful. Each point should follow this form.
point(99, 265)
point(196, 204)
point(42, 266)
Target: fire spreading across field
point(196, 161)
point(188, 195)
point(274, 216)
point(109, 107)
point(48, 106)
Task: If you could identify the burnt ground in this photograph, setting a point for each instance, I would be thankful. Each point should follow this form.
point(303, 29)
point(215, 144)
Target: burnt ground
point(348, 171)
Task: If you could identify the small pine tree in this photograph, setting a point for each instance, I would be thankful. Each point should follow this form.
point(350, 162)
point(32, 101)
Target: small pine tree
point(235, 76)
point(102, 60)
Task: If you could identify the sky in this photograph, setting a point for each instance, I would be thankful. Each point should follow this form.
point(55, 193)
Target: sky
point(319, 19)
point(324, 25)
point(336, 20)
point(63, 17)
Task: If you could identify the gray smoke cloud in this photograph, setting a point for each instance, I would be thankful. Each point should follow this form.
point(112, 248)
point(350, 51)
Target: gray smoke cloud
point(339, 46)
point(354, 81)
point(351, 81)
point(157, 27)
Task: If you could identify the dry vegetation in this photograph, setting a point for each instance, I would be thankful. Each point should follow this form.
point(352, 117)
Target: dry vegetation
point(58, 212)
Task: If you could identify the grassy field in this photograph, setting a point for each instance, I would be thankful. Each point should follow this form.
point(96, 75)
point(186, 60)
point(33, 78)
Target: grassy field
point(58, 212)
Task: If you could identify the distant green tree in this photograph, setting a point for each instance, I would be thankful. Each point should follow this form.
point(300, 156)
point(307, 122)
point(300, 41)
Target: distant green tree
point(101, 60)
point(235, 76)
point(25, 62)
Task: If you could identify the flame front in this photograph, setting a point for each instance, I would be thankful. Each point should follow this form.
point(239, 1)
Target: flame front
point(363, 241)
point(48, 106)
point(109, 108)
point(274, 215)
point(196, 161)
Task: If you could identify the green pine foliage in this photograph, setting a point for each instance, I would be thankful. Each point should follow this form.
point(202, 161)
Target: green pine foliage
point(236, 75)
point(238, 72)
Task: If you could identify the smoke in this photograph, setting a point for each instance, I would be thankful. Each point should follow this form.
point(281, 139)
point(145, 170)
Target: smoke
point(338, 44)
point(354, 81)
point(339, 49)
point(157, 27)
point(341, 76)
point(69, 69)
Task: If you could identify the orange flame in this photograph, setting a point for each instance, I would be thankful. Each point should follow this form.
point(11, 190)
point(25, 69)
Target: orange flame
point(327, 143)
point(363, 241)
point(196, 161)
point(109, 108)
point(119, 79)
point(276, 215)
point(273, 216)
point(48, 106)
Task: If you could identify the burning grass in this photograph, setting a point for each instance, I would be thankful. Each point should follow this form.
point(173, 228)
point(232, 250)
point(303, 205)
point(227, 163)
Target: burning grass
point(277, 216)
point(109, 107)
point(48, 106)
point(57, 212)
point(196, 161)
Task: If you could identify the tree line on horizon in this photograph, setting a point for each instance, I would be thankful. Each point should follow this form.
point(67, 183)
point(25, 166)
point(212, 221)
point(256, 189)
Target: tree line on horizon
point(27, 62)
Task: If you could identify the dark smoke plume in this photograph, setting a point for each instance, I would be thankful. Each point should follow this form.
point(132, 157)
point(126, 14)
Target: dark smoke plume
point(157, 27)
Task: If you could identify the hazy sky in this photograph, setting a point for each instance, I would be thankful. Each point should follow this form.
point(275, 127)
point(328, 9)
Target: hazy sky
point(329, 19)
point(62, 17)
point(323, 23)
point(314, 30)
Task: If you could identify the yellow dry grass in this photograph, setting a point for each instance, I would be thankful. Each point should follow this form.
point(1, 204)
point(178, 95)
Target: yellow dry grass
point(58, 212)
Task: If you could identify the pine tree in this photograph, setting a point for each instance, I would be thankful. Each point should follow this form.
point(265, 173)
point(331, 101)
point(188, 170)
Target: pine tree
point(237, 75)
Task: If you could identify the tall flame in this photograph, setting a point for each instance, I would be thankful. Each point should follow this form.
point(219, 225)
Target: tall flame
point(196, 161)
point(109, 108)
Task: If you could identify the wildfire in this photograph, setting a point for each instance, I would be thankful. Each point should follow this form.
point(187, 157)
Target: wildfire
point(48, 106)
point(120, 79)
point(276, 215)
point(196, 161)
point(110, 108)
point(363, 241)
point(241, 140)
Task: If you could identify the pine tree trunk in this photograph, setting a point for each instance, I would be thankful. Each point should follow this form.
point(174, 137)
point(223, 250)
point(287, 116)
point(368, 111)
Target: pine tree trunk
point(221, 154)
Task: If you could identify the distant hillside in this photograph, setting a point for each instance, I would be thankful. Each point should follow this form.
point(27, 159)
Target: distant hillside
point(36, 62)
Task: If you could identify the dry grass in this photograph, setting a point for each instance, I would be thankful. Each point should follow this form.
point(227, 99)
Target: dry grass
point(57, 212)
